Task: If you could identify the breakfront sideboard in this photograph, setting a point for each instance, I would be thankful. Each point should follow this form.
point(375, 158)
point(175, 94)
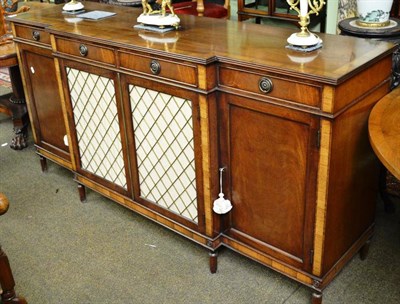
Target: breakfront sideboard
point(149, 120)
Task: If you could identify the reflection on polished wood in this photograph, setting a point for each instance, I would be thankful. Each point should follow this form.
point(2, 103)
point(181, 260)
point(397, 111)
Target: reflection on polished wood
point(384, 131)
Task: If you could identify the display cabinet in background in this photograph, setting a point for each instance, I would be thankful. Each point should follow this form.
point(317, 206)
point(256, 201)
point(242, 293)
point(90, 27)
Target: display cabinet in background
point(395, 12)
point(275, 9)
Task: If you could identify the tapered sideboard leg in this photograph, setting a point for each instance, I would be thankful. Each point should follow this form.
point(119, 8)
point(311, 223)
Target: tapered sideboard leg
point(316, 298)
point(82, 193)
point(364, 250)
point(387, 201)
point(213, 261)
point(7, 282)
point(43, 163)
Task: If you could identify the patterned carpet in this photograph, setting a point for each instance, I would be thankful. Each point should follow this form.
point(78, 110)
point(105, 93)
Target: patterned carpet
point(63, 251)
point(4, 78)
point(5, 84)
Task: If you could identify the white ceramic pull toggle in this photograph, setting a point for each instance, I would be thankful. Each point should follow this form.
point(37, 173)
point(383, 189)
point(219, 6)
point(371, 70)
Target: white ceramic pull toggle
point(221, 205)
point(66, 140)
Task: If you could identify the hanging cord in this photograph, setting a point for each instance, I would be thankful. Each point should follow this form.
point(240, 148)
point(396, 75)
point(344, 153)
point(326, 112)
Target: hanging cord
point(221, 170)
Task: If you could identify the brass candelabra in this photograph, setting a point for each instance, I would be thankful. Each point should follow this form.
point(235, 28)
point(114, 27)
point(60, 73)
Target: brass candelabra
point(305, 8)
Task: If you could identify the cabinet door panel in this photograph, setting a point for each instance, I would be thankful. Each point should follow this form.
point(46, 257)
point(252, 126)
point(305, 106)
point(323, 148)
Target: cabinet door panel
point(270, 157)
point(164, 127)
point(97, 124)
point(48, 120)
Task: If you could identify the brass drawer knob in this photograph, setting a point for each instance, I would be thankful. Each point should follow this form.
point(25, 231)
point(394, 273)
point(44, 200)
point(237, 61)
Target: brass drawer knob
point(36, 35)
point(83, 50)
point(265, 85)
point(155, 67)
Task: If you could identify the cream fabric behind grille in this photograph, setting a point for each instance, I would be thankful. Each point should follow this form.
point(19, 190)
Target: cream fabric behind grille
point(96, 120)
point(165, 151)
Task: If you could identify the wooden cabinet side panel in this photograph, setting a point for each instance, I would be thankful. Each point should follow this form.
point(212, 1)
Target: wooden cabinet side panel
point(353, 180)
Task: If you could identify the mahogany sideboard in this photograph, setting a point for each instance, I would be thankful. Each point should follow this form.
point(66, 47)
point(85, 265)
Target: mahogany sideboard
point(148, 120)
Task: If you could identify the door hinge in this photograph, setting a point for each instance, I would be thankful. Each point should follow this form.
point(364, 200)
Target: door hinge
point(319, 138)
point(311, 256)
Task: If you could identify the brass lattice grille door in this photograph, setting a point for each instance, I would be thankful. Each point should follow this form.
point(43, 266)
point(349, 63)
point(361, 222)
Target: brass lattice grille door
point(164, 140)
point(97, 128)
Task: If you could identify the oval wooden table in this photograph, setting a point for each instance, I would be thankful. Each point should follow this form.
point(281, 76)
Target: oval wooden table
point(384, 131)
point(384, 135)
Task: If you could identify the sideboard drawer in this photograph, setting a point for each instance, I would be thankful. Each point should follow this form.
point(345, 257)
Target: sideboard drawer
point(171, 70)
point(86, 50)
point(271, 86)
point(32, 33)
